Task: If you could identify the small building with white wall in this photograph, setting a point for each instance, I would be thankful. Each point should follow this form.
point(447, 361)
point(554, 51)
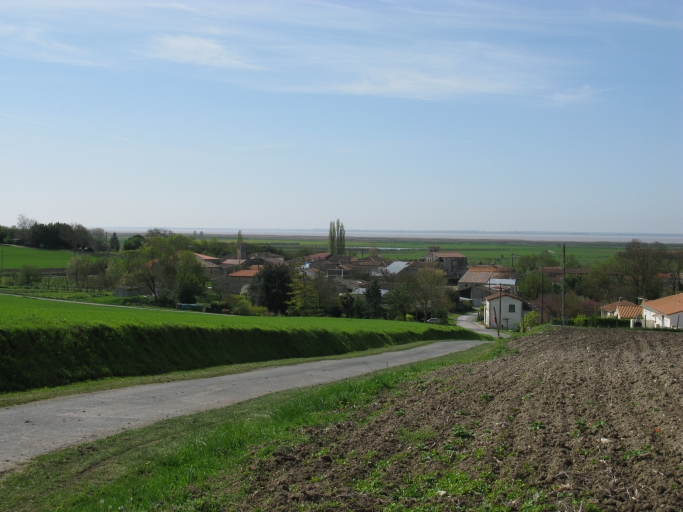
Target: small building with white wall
point(664, 313)
point(513, 310)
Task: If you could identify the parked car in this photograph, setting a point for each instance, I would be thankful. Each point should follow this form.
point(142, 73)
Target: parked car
point(433, 321)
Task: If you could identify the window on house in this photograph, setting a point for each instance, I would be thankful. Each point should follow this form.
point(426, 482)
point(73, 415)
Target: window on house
point(511, 308)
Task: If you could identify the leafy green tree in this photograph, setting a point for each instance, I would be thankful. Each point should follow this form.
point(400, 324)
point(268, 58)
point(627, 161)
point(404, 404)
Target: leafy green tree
point(114, 242)
point(346, 301)
point(673, 265)
point(533, 284)
point(29, 276)
point(428, 288)
point(373, 298)
point(78, 269)
point(332, 239)
point(240, 238)
point(341, 238)
point(133, 243)
point(190, 279)
point(156, 267)
point(400, 301)
point(272, 287)
point(303, 301)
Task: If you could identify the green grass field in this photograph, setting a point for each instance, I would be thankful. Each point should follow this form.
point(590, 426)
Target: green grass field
point(16, 257)
point(20, 312)
point(48, 343)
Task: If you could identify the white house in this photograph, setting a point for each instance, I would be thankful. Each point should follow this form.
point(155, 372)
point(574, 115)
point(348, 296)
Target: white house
point(666, 312)
point(510, 309)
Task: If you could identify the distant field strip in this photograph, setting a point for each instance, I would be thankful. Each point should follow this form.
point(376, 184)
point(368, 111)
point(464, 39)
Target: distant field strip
point(44, 343)
point(16, 257)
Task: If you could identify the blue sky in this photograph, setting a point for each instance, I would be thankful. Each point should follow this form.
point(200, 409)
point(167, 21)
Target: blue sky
point(415, 115)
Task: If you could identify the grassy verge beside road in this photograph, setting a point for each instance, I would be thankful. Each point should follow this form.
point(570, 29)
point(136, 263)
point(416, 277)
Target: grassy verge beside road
point(192, 462)
point(46, 344)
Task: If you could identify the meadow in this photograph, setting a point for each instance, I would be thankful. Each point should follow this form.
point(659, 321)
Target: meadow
point(13, 257)
point(49, 343)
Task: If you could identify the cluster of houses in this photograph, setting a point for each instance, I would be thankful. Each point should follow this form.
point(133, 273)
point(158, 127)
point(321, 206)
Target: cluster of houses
point(666, 312)
point(493, 286)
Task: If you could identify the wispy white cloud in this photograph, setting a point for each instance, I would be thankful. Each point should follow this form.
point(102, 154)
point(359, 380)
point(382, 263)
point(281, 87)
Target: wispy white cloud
point(196, 50)
point(38, 44)
point(577, 95)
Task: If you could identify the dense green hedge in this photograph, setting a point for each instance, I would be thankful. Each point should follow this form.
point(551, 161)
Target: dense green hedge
point(34, 357)
point(595, 321)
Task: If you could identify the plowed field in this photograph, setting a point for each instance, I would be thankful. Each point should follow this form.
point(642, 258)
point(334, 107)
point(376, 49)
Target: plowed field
point(574, 419)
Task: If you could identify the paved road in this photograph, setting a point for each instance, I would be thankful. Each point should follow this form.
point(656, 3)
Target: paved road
point(467, 321)
point(32, 429)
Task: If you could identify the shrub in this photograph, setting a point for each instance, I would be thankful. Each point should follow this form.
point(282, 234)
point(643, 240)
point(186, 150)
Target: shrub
point(530, 321)
point(409, 318)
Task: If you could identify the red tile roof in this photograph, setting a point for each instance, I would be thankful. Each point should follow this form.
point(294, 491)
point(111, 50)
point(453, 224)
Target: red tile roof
point(497, 295)
point(244, 273)
point(629, 311)
point(319, 256)
point(611, 308)
point(206, 258)
point(668, 305)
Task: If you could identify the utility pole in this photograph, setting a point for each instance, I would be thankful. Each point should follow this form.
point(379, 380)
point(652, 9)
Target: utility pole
point(542, 293)
point(564, 268)
point(500, 308)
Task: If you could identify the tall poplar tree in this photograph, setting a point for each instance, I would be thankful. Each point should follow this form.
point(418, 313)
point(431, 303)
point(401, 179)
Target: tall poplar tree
point(332, 239)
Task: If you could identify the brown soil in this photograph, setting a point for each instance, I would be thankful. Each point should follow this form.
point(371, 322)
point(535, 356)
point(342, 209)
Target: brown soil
point(574, 419)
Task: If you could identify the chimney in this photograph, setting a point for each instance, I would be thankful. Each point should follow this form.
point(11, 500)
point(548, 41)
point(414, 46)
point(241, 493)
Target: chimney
point(621, 299)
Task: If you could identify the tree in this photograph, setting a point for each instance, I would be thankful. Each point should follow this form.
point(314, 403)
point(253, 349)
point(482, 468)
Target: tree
point(428, 289)
point(240, 238)
point(99, 239)
point(336, 238)
point(29, 276)
point(114, 242)
point(272, 287)
point(303, 299)
point(673, 265)
point(373, 297)
point(346, 301)
point(332, 239)
point(534, 284)
point(156, 266)
point(133, 243)
point(400, 301)
point(341, 238)
point(640, 263)
point(164, 233)
point(190, 278)
point(78, 270)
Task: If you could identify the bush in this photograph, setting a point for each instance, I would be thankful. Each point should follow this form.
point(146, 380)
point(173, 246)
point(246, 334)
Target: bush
point(530, 321)
point(409, 318)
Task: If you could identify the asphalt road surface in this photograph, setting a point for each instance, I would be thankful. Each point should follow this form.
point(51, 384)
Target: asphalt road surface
point(467, 321)
point(36, 428)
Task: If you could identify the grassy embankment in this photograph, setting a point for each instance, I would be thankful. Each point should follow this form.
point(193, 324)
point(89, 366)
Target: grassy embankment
point(192, 462)
point(46, 343)
point(16, 257)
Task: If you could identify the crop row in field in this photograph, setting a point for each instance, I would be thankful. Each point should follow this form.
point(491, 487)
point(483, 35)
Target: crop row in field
point(47, 343)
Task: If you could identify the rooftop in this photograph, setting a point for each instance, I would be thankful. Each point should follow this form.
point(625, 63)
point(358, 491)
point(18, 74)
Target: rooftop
point(668, 305)
point(611, 308)
point(629, 311)
point(245, 273)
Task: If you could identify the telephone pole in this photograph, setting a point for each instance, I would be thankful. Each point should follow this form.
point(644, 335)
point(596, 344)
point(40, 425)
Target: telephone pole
point(564, 268)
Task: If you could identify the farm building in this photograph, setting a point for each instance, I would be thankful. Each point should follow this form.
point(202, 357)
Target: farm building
point(664, 313)
point(128, 291)
point(513, 310)
point(453, 263)
point(234, 282)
